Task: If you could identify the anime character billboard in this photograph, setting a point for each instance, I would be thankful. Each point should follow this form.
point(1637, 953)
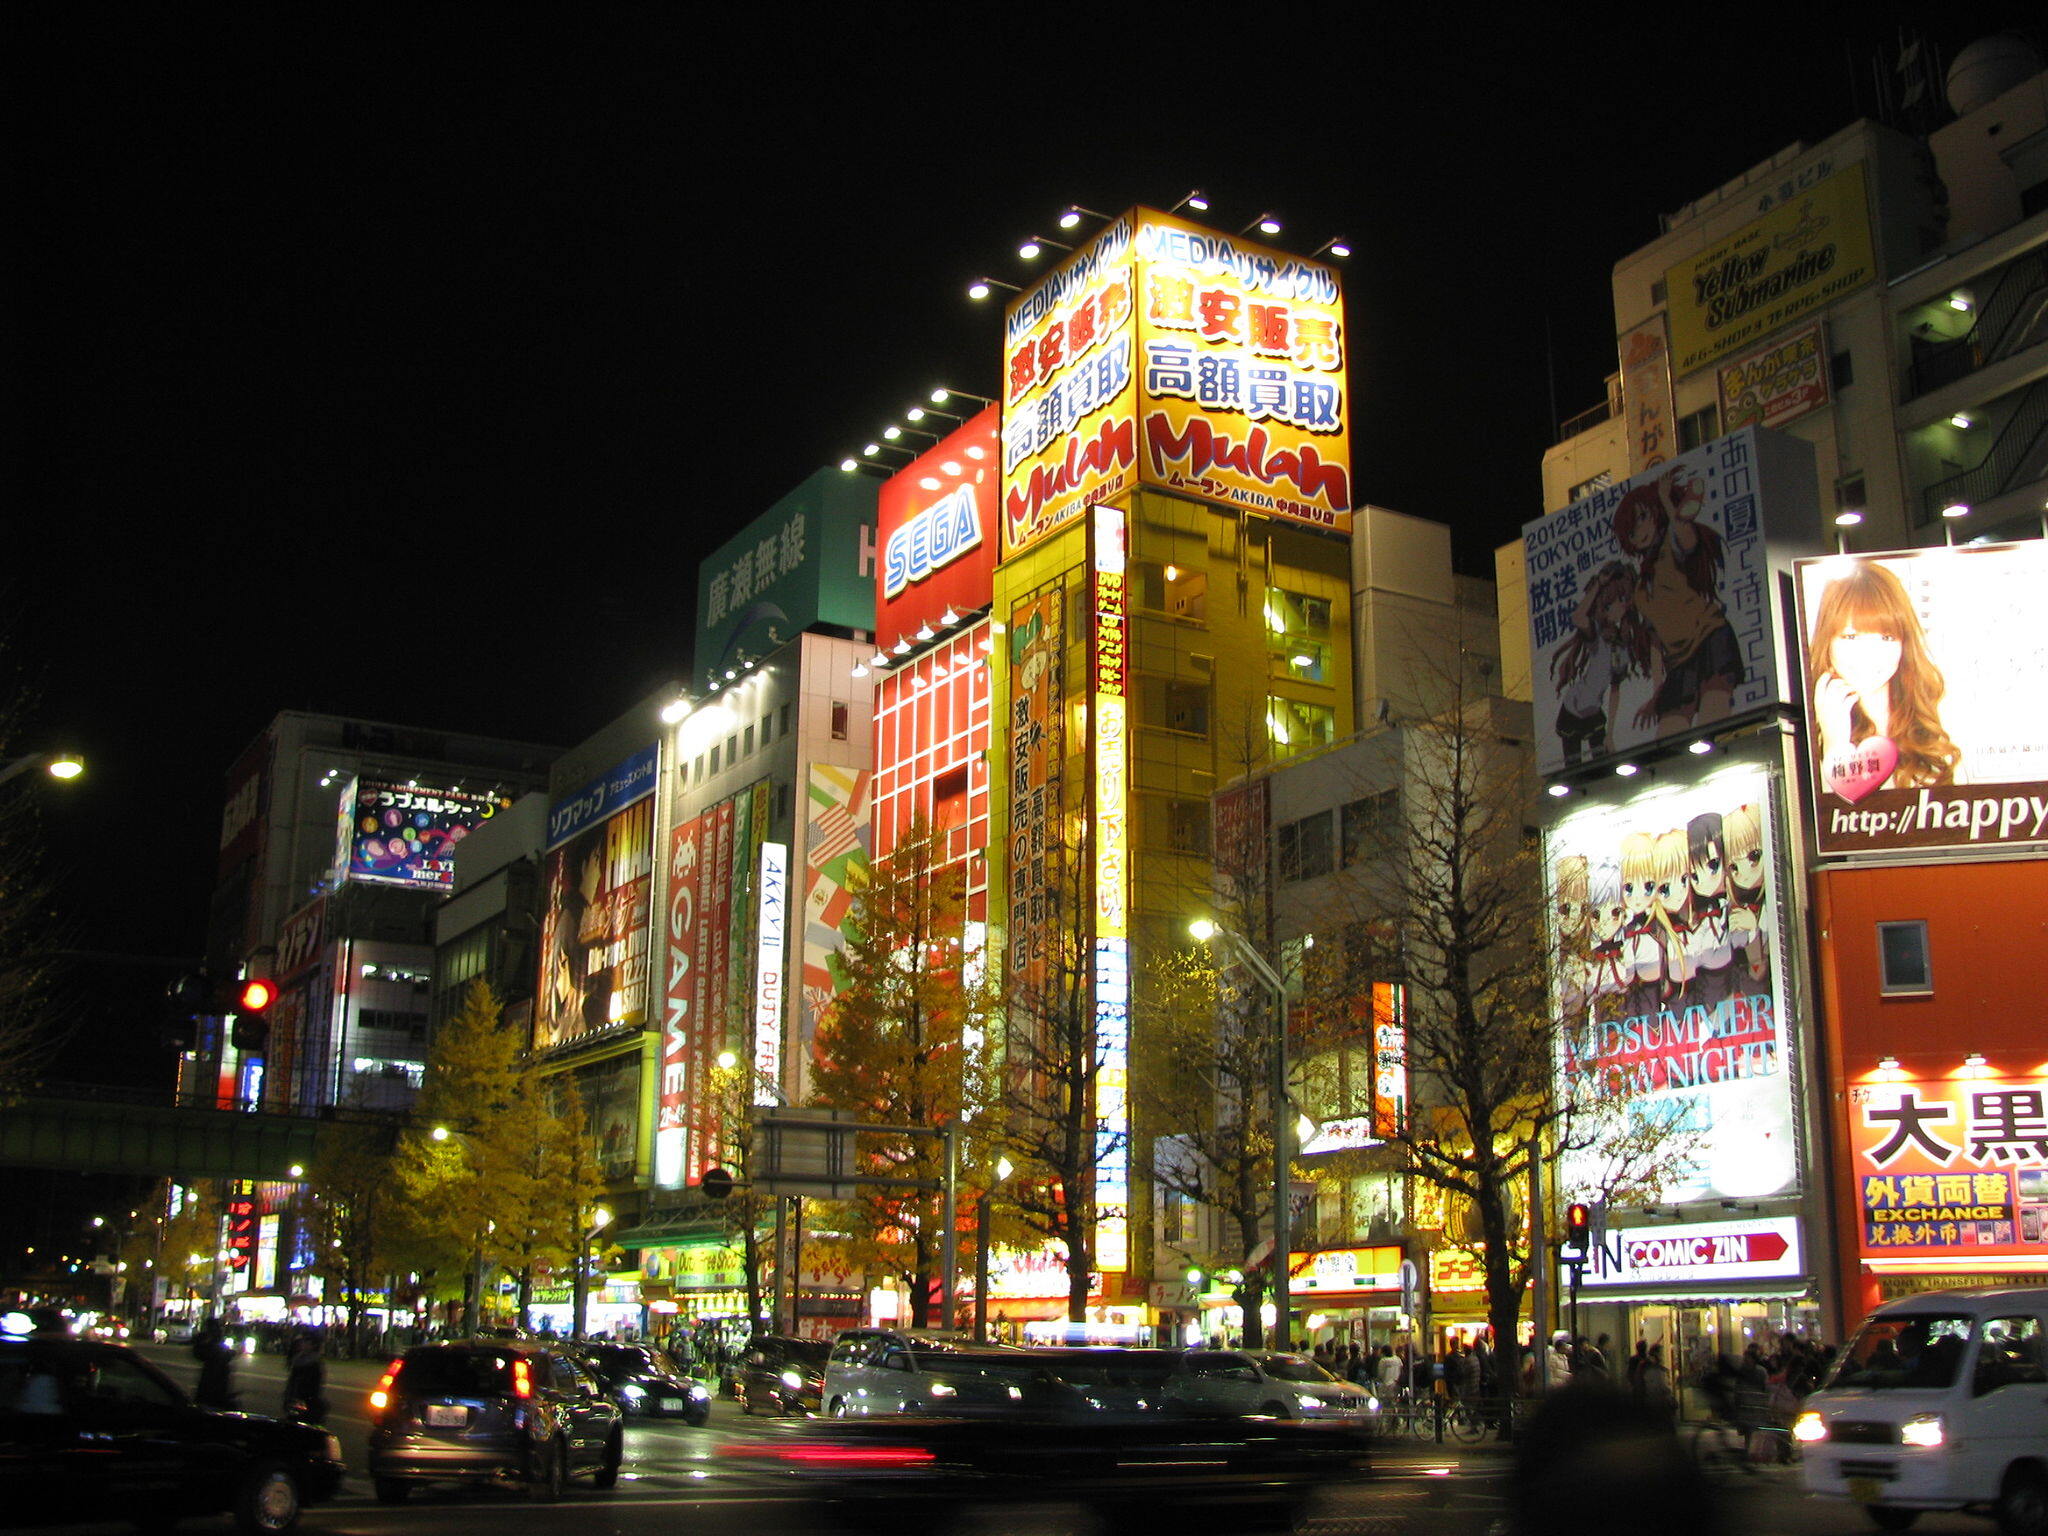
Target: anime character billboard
point(1927, 698)
point(1668, 982)
point(1650, 602)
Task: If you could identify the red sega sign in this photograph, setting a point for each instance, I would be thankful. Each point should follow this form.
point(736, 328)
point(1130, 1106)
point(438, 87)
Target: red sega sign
point(936, 532)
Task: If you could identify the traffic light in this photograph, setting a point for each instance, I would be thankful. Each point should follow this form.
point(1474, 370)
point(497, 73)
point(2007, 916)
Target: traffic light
point(250, 1008)
point(716, 1183)
point(185, 999)
point(1578, 1228)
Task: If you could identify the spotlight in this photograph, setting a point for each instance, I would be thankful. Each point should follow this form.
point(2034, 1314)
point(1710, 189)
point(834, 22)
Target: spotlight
point(1265, 224)
point(1195, 200)
point(979, 288)
point(1627, 770)
point(1848, 519)
point(1559, 791)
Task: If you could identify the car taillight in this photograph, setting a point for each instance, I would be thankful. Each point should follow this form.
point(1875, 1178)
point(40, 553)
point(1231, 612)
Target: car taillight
point(380, 1399)
point(522, 1381)
point(829, 1455)
point(380, 1396)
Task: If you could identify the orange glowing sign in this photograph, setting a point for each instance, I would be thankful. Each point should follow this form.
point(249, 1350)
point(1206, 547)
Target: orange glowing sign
point(1165, 354)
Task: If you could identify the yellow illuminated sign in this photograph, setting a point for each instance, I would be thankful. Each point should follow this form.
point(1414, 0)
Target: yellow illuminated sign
point(1797, 259)
point(1166, 354)
point(1112, 943)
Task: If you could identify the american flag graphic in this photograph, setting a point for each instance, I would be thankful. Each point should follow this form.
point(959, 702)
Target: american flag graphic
point(832, 834)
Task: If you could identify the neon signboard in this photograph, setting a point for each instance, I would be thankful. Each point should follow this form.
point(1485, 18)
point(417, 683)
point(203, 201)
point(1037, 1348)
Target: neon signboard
point(768, 973)
point(1112, 897)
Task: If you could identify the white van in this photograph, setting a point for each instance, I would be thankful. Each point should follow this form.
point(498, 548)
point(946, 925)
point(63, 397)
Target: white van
point(1940, 1401)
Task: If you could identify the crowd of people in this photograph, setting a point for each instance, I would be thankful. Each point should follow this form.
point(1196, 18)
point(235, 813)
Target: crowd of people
point(1762, 1386)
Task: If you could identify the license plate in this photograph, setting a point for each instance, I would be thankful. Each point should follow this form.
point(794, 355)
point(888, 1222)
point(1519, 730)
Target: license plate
point(671, 1405)
point(1865, 1490)
point(447, 1415)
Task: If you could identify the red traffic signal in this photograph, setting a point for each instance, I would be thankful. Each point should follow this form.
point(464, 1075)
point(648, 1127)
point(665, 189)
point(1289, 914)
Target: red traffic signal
point(255, 996)
point(1578, 1225)
point(250, 1030)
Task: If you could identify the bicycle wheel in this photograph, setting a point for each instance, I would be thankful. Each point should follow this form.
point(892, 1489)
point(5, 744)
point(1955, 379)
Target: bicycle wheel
point(1465, 1422)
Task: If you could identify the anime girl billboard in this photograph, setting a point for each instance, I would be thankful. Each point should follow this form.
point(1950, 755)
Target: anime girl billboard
point(1667, 980)
point(1927, 698)
point(1650, 602)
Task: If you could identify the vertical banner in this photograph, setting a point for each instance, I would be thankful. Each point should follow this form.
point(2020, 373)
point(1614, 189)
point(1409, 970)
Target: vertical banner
point(1037, 752)
point(1112, 894)
point(771, 924)
point(682, 1052)
point(1668, 983)
point(714, 940)
point(837, 847)
point(1646, 396)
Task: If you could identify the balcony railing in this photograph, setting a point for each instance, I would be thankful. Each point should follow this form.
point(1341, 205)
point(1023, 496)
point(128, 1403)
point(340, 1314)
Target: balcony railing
point(2012, 317)
point(2019, 454)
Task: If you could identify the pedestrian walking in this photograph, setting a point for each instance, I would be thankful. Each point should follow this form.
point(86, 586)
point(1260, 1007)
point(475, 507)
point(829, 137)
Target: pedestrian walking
point(305, 1383)
point(215, 1356)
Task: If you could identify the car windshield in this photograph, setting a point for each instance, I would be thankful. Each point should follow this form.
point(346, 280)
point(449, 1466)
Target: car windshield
point(454, 1373)
point(630, 1360)
point(808, 1351)
point(1294, 1368)
point(1921, 1350)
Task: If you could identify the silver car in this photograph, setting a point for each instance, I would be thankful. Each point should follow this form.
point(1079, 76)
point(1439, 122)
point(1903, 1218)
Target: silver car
point(1262, 1381)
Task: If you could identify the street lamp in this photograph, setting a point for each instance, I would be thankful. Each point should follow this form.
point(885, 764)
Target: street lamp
point(60, 765)
point(1204, 930)
point(1004, 1168)
point(600, 1218)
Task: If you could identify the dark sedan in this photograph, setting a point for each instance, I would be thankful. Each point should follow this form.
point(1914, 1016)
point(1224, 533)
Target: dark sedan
point(645, 1382)
point(777, 1374)
point(91, 1431)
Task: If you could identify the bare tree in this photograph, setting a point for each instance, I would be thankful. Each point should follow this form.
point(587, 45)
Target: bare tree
point(30, 1030)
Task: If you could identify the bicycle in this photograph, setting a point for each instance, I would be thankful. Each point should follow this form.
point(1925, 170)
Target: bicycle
point(1716, 1444)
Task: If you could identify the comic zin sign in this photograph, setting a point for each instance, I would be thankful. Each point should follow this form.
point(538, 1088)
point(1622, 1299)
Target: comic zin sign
point(1951, 1168)
point(1165, 354)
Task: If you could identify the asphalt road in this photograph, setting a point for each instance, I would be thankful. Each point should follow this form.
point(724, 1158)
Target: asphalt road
point(678, 1482)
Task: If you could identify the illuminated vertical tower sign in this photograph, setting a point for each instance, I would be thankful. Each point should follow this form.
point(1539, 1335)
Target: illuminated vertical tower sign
point(1112, 895)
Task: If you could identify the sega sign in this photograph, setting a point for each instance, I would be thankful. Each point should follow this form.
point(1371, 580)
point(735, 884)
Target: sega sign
point(932, 539)
point(935, 522)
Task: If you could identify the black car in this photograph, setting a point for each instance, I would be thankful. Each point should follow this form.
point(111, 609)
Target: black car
point(777, 1374)
point(91, 1431)
point(912, 1475)
point(644, 1381)
point(492, 1410)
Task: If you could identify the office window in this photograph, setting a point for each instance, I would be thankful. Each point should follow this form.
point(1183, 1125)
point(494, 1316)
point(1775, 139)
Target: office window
point(732, 749)
point(767, 728)
point(1368, 824)
point(1293, 727)
point(1903, 965)
point(1187, 827)
point(750, 741)
point(1842, 369)
point(698, 774)
point(841, 717)
point(714, 759)
point(785, 719)
point(1305, 847)
point(1697, 428)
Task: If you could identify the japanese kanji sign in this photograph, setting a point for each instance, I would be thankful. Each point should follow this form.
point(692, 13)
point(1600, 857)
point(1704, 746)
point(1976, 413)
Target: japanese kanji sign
point(1951, 1167)
point(403, 834)
point(1651, 602)
point(1167, 354)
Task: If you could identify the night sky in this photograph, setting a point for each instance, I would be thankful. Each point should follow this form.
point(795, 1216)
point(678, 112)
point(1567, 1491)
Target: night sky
point(406, 369)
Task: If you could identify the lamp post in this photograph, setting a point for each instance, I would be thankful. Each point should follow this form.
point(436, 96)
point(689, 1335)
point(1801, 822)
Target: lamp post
point(579, 1284)
point(1204, 930)
point(473, 1282)
point(1004, 1168)
point(61, 765)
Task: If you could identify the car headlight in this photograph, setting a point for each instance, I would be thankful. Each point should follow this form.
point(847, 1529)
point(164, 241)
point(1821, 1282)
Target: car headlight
point(1921, 1429)
point(632, 1392)
point(1809, 1427)
point(944, 1389)
point(1372, 1405)
point(699, 1392)
point(1309, 1402)
point(791, 1379)
point(334, 1447)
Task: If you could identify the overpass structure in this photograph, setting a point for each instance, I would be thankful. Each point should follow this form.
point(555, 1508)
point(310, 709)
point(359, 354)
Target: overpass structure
point(120, 1130)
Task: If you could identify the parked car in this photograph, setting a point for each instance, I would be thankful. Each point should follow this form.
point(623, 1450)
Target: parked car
point(777, 1374)
point(1939, 1401)
point(1263, 1381)
point(492, 1410)
point(91, 1431)
point(645, 1382)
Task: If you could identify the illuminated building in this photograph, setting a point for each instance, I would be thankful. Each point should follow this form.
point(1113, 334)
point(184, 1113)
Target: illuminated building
point(1863, 296)
point(1172, 608)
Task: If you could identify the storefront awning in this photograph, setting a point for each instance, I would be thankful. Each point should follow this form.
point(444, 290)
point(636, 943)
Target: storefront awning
point(660, 1231)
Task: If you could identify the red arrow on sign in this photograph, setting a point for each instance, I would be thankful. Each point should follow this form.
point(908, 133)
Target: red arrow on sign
point(1765, 1246)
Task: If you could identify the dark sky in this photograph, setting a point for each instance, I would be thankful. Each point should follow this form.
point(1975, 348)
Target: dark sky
point(406, 368)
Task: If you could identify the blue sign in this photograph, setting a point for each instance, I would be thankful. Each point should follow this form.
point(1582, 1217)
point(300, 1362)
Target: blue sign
point(632, 780)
